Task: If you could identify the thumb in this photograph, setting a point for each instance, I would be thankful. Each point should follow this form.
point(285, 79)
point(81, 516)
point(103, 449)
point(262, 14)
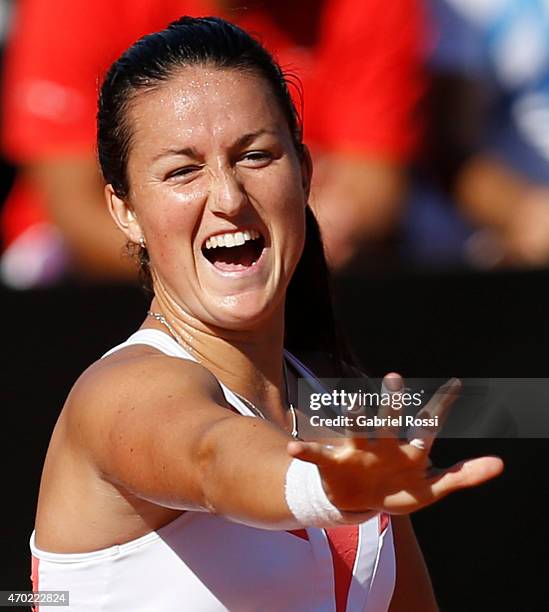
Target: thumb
point(313, 452)
point(468, 473)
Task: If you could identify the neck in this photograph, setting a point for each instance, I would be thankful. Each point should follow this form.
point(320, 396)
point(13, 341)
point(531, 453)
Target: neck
point(247, 361)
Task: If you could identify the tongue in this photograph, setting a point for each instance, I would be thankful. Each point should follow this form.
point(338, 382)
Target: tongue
point(232, 259)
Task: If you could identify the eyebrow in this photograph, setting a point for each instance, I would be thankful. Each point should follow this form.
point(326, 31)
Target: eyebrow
point(243, 141)
point(247, 139)
point(186, 151)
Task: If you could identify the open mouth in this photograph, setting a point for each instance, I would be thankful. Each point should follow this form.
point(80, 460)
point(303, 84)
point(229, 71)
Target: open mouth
point(234, 251)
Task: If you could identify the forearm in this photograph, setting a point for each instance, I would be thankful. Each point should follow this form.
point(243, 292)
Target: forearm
point(244, 463)
point(357, 201)
point(97, 247)
point(490, 193)
point(73, 193)
point(368, 189)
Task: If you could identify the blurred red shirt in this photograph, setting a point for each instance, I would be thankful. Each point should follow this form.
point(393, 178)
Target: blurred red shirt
point(360, 62)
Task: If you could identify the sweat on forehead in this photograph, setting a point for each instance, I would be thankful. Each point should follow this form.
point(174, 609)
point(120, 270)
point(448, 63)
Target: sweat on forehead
point(151, 63)
point(203, 101)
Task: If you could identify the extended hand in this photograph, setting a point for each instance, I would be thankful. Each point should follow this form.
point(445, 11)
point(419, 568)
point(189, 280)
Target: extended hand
point(389, 474)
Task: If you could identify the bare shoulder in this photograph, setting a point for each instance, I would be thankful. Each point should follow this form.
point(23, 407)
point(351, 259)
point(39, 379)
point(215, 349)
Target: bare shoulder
point(136, 371)
point(133, 393)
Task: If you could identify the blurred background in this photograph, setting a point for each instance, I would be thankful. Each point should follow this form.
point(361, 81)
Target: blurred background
point(428, 121)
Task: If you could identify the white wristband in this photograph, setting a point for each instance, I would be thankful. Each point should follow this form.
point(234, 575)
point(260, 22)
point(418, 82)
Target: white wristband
point(309, 503)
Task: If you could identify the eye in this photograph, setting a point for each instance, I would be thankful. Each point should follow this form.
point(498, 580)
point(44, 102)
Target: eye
point(257, 159)
point(186, 172)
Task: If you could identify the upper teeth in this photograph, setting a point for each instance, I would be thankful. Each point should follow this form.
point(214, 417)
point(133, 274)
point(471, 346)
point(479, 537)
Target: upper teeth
point(231, 239)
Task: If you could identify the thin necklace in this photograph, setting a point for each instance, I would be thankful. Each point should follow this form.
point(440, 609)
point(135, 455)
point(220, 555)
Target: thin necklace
point(255, 409)
point(295, 434)
point(162, 319)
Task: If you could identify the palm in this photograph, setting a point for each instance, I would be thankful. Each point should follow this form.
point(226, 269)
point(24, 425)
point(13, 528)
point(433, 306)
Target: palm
point(389, 474)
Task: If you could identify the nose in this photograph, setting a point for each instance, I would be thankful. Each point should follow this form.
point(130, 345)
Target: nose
point(227, 195)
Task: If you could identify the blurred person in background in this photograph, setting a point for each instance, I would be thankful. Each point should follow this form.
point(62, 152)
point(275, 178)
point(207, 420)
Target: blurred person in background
point(488, 141)
point(360, 62)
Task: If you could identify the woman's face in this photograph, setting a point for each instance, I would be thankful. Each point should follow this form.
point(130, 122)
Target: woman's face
point(218, 192)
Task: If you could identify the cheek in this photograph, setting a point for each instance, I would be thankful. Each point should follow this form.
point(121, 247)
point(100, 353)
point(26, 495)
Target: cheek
point(290, 229)
point(283, 192)
point(291, 210)
point(170, 222)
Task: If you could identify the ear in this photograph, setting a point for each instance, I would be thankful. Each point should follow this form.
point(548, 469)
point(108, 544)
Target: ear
point(123, 215)
point(306, 170)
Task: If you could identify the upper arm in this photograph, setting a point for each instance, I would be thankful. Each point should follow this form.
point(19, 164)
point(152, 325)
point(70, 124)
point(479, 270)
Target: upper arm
point(413, 590)
point(160, 428)
point(140, 421)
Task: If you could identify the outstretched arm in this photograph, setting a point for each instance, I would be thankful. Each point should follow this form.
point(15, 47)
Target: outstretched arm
point(159, 427)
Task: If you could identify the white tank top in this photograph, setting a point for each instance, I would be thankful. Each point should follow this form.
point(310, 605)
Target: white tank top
point(205, 563)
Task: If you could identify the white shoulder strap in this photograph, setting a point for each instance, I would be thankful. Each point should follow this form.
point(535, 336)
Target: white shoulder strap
point(157, 339)
point(167, 345)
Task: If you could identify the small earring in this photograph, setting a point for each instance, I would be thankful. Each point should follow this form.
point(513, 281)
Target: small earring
point(142, 242)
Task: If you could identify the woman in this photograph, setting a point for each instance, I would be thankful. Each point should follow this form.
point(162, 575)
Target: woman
point(156, 493)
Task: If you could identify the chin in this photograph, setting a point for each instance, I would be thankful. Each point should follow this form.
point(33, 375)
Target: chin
point(244, 311)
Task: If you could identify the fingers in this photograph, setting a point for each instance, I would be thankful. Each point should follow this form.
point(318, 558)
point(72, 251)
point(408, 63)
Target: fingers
point(407, 488)
point(437, 411)
point(392, 388)
point(388, 411)
point(392, 383)
point(464, 474)
point(441, 402)
point(313, 452)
